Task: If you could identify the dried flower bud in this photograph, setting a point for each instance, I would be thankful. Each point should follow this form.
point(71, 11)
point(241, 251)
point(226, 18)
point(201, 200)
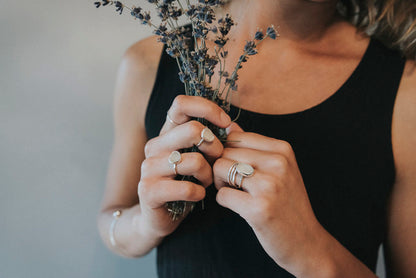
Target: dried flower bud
point(271, 32)
point(250, 48)
point(259, 36)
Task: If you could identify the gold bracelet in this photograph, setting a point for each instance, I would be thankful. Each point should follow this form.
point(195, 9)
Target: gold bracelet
point(116, 216)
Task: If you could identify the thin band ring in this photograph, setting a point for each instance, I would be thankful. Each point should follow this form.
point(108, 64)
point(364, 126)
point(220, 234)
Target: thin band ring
point(240, 184)
point(170, 119)
point(231, 173)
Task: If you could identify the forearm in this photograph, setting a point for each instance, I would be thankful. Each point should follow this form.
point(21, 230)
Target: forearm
point(330, 259)
point(129, 235)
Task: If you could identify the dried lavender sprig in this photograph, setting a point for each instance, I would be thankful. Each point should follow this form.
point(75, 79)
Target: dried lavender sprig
point(197, 65)
point(250, 49)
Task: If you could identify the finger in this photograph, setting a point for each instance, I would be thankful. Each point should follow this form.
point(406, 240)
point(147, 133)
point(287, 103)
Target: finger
point(235, 200)
point(155, 193)
point(256, 183)
point(258, 142)
point(191, 164)
point(266, 161)
point(234, 127)
point(184, 108)
point(169, 124)
point(180, 137)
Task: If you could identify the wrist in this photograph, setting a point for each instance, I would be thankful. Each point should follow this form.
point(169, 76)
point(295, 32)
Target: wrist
point(319, 260)
point(140, 228)
point(330, 259)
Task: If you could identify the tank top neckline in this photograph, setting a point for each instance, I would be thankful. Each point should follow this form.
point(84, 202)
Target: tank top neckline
point(315, 108)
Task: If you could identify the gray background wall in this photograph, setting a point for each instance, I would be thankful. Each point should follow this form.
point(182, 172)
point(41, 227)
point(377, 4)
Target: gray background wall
point(58, 61)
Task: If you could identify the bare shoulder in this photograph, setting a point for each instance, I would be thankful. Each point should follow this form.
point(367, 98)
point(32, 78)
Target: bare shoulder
point(135, 80)
point(401, 244)
point(144, 55)
point(404, 121)
point(140, 62)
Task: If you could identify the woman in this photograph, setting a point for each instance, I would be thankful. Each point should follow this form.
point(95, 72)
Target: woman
point(327, 123)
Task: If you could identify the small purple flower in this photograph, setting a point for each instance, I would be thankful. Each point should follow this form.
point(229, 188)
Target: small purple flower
point(119, 6)
point(271, 32)
point(259, 36)
point(250, 48)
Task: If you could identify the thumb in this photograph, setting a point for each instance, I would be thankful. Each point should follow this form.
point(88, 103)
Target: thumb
point(234, 127)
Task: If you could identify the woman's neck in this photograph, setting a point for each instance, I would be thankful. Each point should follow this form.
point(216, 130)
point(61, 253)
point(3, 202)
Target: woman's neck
point(296, 20)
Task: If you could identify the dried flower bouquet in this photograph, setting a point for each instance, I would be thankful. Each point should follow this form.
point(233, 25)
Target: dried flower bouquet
point(196, 63)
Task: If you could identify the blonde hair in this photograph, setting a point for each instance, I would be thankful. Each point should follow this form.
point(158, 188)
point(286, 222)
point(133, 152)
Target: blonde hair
point(391, 21)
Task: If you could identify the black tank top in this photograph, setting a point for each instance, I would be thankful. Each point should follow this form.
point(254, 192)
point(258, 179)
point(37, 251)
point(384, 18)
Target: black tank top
point(344, 152)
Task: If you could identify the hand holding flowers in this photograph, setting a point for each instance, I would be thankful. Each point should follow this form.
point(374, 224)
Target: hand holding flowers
point(196, 64)
point(273, 201)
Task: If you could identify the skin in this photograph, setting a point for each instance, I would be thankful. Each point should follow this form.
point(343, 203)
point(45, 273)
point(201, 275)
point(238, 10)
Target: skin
point(315, 47)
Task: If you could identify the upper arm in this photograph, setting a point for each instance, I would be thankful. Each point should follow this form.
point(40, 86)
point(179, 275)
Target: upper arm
point(401, 245)
point(135, 80)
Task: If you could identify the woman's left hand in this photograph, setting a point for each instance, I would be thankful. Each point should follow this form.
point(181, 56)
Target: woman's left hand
point(273, 201)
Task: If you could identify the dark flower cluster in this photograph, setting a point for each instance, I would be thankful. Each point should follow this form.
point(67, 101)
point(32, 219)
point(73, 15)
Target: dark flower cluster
point(197, 64)
point(119, 6)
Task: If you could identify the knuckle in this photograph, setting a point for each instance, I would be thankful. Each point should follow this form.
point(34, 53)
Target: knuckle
point(226, 152)
point(285, 148)
point(197, 161)
point(143, 188)
point(189, 191)
point(218, 164)
point(145, 167)
point(194, 129)
point(218, 151)
point(148, 148)
point(279, 162)
point(179, 102)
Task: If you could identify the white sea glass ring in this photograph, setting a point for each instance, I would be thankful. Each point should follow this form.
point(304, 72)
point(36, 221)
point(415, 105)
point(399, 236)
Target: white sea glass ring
point(243, 170)
point(174, 159)
point(206, 136)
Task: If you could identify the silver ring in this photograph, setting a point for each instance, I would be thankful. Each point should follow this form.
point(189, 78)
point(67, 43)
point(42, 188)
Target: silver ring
point(231, 174)
point(170, 119)
point(243, 170)
point(240, 184)
point(174, 159)
point(206, 136)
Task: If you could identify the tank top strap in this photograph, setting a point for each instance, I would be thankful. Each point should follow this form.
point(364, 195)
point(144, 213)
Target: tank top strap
point(383, 70)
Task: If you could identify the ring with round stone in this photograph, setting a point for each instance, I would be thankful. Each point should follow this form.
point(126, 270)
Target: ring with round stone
point(174, 159)
point(243, 170)
point(206, 136)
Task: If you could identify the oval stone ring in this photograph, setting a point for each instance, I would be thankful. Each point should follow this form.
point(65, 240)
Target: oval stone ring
point(174, 158)
point(206, 136)
point(246, 170)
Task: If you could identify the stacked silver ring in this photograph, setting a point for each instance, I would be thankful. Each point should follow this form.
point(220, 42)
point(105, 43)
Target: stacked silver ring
point(231, 175)
point(243, 170)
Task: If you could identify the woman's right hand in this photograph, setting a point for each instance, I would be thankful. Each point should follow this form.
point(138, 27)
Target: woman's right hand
point(157, 185)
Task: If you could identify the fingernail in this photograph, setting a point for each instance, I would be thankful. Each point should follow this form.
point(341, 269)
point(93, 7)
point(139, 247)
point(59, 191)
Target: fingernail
point(228, 129)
